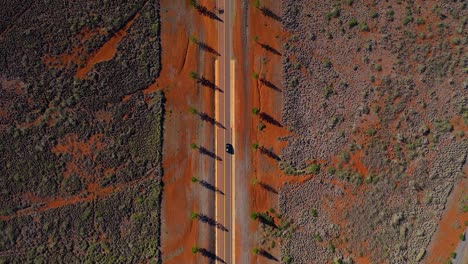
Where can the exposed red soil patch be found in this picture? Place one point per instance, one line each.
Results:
(179, 58)
(71, 144)
(76, 55)
(94, 191)
(107, 51)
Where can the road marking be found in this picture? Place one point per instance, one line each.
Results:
(216, 148)
(233, 163)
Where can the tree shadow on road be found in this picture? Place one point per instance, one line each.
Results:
(210, 186)
(212, 222)
(211, 120)
(206, 12)
(210, 255)
(207, 48)
(205, 82)
(208, 153)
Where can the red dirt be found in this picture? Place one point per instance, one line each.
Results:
(74, 56)
(180, 163)
(93, 192)
(107, 51)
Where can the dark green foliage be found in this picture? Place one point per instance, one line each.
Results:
(68, 213)
(352, 23)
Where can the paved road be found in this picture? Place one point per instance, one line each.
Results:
(223, 171)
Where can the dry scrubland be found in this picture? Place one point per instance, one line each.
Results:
(375, 95)
(80, 156)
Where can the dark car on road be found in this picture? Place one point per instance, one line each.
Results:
(229, 149)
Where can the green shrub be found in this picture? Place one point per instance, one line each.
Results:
(255, 250)
(313, 168)
(331, 247)
(318, 238)
(193, 179)
(344, 156)
(407, 19)
(255, 111)
(313, 212)
(193, 146)
(364, 26)
(419, 21)
(193, 215)
(255, 146)
(195, 249)
(254, 215)
(352, 23)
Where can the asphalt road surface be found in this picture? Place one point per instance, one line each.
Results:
(223, 171)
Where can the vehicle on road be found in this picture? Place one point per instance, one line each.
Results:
(229, 149)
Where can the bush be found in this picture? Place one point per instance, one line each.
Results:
(407, 19)
(255, 146)
(193, 179)
(193, 75)
(255, 111)
(254, 215)
(318, 238)
(195, 249)
(364, 26)
(193, 146)
(313, 168)
(352, 23)
(314, 212)
(255, 250)
(193, 215)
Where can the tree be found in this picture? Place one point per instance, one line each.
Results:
(254, 215)
(193, 3)
(195, 249)
(193, 110)
(193, 215)
(255, 111)
(193, 146)
(256, 39)
(255, 146)
(193, 75)
(257, 3)
(254, 181)
(194, 179)
(255, 250)
(255, 75)
(193, 39)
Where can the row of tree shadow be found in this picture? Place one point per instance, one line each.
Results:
(207, 185)
(203, 10)
(206, 253)
(205, 82)
(265, 254)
